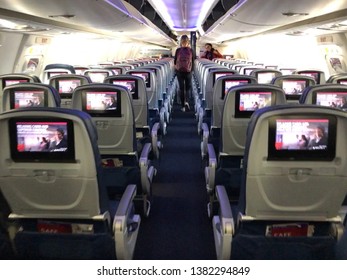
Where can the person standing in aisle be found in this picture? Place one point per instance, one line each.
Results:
(183, 64)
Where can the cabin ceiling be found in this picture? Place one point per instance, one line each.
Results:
(216, 21)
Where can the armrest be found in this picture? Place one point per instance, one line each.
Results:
(162, 120)
(167, 110)
(200, 115)
(144, 162)
(126, 225)
(223, 225)
(210, 172)
(205, 137)
(224, 203)
(147, 148)
(156, 145)
(126, 200)
(212, 159)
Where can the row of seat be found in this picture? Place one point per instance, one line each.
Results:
(99, 207)
(289, 197)
(257, 192)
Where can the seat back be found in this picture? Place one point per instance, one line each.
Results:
(97, 75)
(65, 85)
(240, 103)
(340, 78)
(151, 85)
(293, 85)
(290, 194)
(330, 95)
(116, 70)
(57, 193)
(209, 79)
(287, 180)
(79, 69)
(219, 99)
(42, 191)
(137, 88)
(15, 78)
(115, 122)
(29, 95)
(317, 75)
(55, 69)
(265, 76)
(228, 81)
(160, 77)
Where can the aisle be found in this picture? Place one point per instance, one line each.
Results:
(178, 227)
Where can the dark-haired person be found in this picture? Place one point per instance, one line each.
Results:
(44, 144)
(211, 53)
(320, 141)
(38, 101)
(59, 143)
(303, 142)
(112, 104)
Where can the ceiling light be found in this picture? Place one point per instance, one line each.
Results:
(61, 16)
(296, 33)
(291, 14)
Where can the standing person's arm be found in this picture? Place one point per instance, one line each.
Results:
(175, 58)
(217, 54)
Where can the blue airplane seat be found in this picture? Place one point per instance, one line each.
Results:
(14, 78)
(209, 74)
(209, 120)
(330, 95)
(339, 78)
(317, 75)
(156, 109)
(25, 95)
(265, 75)
(97, 75)
(146, 130)
(58, 197)
(290, 194)
(55, 69)
(225, 149)
(65, 85)
(125, 160)
(293, 85)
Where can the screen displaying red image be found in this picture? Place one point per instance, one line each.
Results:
(302, 134)
(101, 101)
(28, 99)
(45, 139)
(97, 77)
(302, 138)
(52, 74)
(332, 99)
(251, 101)
(15, 81)
(130, 85)
(293, 87)
(41, 136)
(68, 85)
(231, 83)
(265, 78)
(144, 76)
(218, 75)
(313, 75)
(116, 71)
